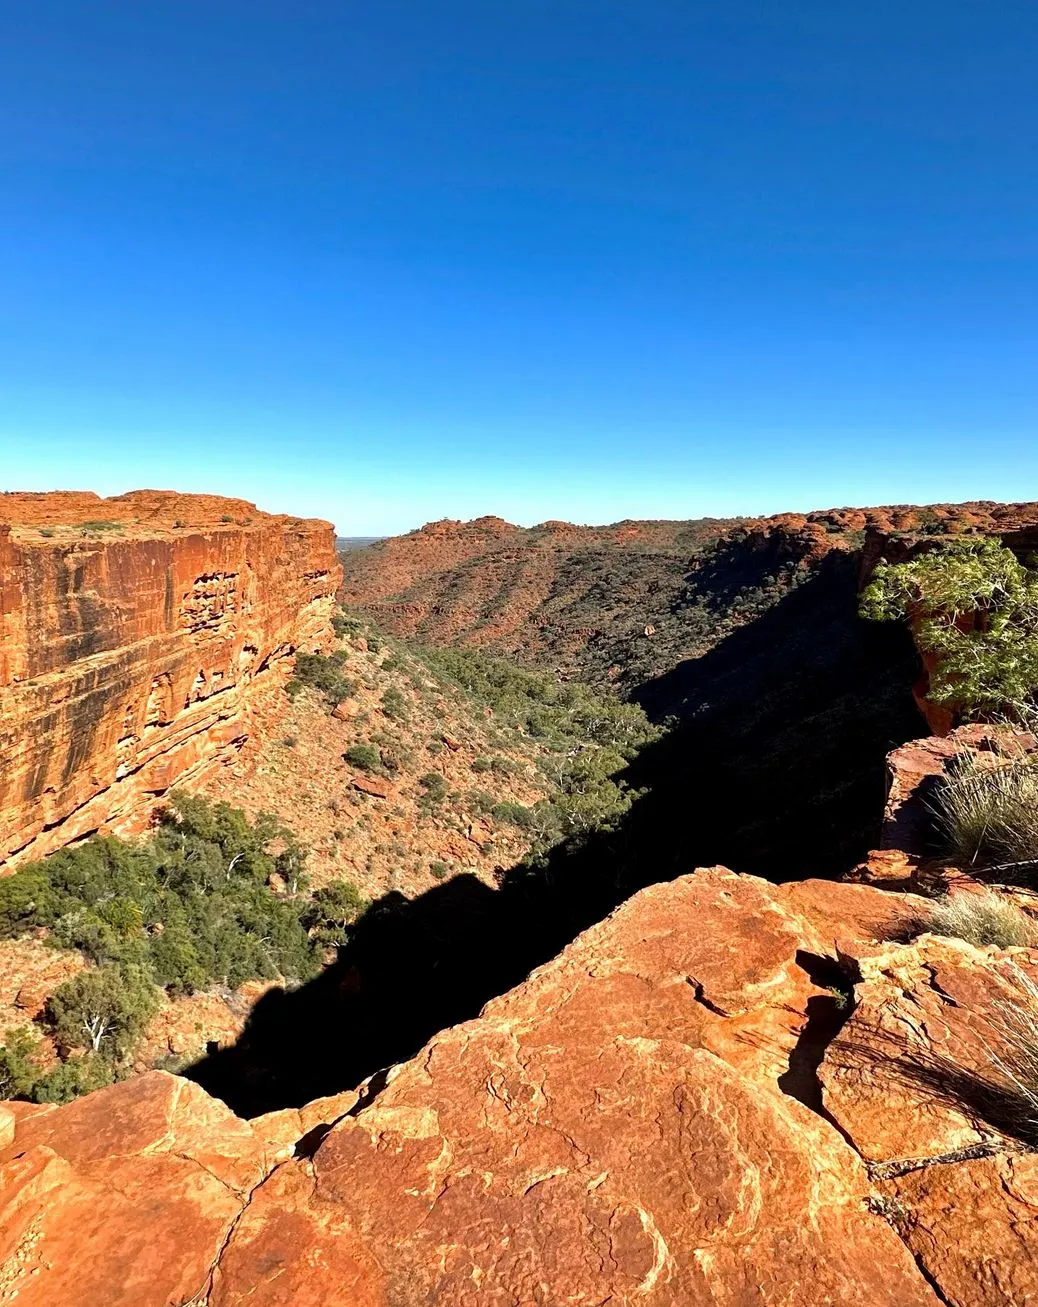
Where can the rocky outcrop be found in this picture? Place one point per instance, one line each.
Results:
(686, 1107)
(917, 769)
(137, 637)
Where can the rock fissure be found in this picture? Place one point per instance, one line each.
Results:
(898, 1166)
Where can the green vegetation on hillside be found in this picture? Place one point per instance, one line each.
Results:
(321, 672)
(191, 907)
(587, 738)
(974, 606)
(582, 738)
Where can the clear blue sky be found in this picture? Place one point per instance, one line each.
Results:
(394, 260)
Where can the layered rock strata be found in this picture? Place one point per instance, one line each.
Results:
(722, 1094)
(137, 637)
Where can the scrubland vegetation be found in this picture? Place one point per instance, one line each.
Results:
(209, 899)
(586, 739)
(583, 738)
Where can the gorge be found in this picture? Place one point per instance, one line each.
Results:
(613, 1072)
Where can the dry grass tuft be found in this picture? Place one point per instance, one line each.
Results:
(1014, 1054)
(999, 1089)
(981, 918)
(988, 814)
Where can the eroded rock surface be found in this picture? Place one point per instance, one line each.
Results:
(686, 1107)
(137, 636)
(640, 1122)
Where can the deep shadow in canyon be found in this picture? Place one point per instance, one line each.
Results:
(776, 767)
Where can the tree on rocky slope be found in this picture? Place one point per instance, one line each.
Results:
(974, 608)
(109, 1007)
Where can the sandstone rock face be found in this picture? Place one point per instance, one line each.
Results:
(137, 637)
(639, 1122)
(682, 1109)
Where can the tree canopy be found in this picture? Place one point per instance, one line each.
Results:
(974, 606)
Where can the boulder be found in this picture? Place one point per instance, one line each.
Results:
(378, 789)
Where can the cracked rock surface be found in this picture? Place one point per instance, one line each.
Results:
(682, 1108)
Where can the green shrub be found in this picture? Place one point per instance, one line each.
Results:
(434, 785)
(514, 814)
(18, 1071)
(323, 673)
(366, 757)
(105, 1009)
(438, 870)
(331, 911)
(394, 705)
(974, 607)
(343, 624)
(75, 1076)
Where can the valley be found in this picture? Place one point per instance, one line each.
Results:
(547, 844)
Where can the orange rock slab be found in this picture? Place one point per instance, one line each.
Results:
(124, 1197)
(611, 1131)
(676, 1111)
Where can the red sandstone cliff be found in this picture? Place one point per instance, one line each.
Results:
(137, 637)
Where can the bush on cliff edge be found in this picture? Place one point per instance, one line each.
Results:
(974, 606)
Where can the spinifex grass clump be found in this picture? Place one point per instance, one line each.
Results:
(987, 814)
(983, 918)
(1014, 1051)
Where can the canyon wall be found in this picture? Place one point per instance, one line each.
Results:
(138, 637)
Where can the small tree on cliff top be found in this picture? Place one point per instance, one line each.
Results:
(974, 606)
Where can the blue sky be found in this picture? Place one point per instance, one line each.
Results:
(386, 262)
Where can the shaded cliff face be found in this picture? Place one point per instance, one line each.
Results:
(137, 637)
(723, 1094)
